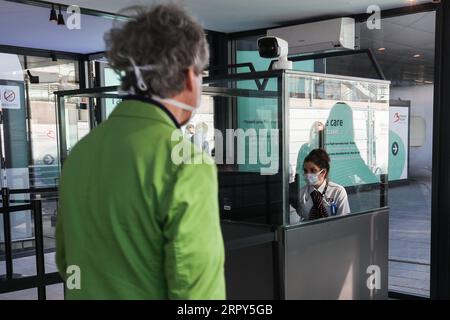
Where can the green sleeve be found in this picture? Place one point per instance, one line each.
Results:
(194, 250)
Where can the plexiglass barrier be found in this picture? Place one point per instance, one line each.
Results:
(349, 119)
(248, 138)
(259, 128)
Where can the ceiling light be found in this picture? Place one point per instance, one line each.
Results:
(53, 17)
(417, 56)
(381, 49)
(429, 82)
(60, 18)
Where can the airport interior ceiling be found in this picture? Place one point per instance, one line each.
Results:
(404, 45)
(223, 16)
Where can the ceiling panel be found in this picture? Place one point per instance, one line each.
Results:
(406, 20)
(408, 37)
(427, 24)
(403, 37)
(239, 15)
(386, 31)
(28, 26)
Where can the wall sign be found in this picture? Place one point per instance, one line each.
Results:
(398, 143)
(10, 97)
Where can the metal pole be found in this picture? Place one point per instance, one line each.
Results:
(440, 205)
(39, 243)
(7, 232)
(384, 185)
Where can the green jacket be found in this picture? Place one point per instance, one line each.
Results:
(136, 224)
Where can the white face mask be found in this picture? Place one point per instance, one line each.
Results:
(313, 178)
(143, 87)
(185, 106)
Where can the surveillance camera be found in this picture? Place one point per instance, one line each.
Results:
(273, 47)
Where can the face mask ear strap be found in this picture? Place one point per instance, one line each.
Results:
(320, 172)
(137, 72)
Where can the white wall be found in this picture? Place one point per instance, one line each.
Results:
(421, 98)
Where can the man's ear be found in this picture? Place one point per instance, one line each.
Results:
(190, 79)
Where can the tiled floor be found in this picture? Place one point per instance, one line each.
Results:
(409, 238)
(27, 267)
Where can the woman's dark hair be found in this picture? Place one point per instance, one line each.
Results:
(320, 158)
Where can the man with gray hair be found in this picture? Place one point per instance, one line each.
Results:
(135, 224)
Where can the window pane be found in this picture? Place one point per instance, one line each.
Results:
(54, 76)
(404, 48)
(246, 148)
(349, 120)
(55, 292)
(24, 262)
(49, 213)
(29, 145)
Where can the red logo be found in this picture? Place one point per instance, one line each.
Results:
(51, 134)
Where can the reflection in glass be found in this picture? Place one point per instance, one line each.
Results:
(246, 149)
(54, 76)
(349, 119)
(200, 129)
(240, 124)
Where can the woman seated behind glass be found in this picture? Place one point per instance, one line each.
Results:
(320, 198)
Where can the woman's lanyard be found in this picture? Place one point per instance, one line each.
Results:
(332, 204)
(325, 190)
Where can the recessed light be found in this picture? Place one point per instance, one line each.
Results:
(60, 18)
(53, 17)
(416, 56)
(381, 49)
(429, 82)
